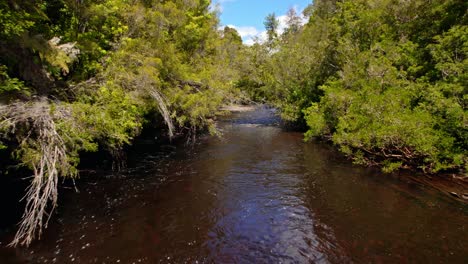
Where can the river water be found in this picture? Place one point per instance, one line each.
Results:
(258, 194)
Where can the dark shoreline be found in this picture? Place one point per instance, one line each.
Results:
(12, 189)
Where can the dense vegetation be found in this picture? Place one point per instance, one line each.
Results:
(82, 76)
(385, 80)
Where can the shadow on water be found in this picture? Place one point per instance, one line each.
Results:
(259, 194)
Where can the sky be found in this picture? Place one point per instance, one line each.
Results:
(247, 16)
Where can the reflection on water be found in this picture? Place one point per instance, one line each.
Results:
(257, 195)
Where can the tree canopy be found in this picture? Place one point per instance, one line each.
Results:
(79, 76)
(384, 80)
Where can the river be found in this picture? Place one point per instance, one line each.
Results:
(258, 194)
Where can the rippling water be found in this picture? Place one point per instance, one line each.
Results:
(259, 194)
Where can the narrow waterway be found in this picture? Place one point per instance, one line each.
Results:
(259, 194)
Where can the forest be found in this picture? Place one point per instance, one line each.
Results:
(385, 81)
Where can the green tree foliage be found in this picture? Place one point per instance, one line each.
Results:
(8, 84)
(271, 24)
(385, 80)
(232, 36)
(114, 62)
(89, 75)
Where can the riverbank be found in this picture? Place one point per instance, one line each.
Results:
(452, 185)
(258, 194)
(238, 108)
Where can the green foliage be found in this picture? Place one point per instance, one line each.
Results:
(231, 35)
(315, 121)
(8, 84)
(111, 117)
(271, 25)
(385, 84)
(16, 17)
(391, 166)
(384, 80)
(379, 110)
(114, 63)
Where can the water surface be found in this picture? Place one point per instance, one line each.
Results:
(259, 194)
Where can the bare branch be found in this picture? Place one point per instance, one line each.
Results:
(50, 161)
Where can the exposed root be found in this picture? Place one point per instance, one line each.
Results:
(119, 159)
(44, 150)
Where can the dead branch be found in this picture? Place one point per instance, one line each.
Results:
(50, 160)
(197, 86)
(162, 106)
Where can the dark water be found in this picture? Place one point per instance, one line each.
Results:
(257, 195)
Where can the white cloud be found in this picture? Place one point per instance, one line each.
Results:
(263, 36)
(245, 32)
(249, 42)
(284, 18)
(282, 24)
(250, 35)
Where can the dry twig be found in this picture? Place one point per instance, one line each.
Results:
(162, 106)
(43, 149)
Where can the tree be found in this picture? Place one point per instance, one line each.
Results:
(231, 35)
(271, 25)
(385, 83)
(293, 22)
(109, 67)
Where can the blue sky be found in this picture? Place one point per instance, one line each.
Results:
(247, 16)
